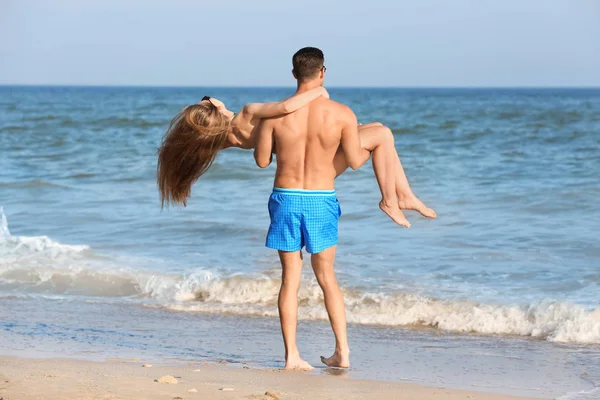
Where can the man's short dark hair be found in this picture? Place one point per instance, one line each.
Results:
(308, 62)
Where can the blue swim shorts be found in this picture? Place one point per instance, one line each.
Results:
(303, 218)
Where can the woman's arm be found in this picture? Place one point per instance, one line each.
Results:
(350, 140)
(275, 109)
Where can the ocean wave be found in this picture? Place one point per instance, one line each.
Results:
(127, 122)
(510, 114)
(42, 117)
(40, 265)
(449, 124)
(206, 292)
(593, 394)
(13, 128)
(32, 184)
(15, 248)
(552, 321)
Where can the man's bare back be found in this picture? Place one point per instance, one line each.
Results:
(306, 142)
(303, 207)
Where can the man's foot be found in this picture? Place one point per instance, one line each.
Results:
(337, 360)
(297, 364)
(395, 214)
(414, 204)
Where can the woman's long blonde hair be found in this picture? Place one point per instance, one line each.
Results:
(188, 149)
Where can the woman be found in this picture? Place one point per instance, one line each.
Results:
(201, 130)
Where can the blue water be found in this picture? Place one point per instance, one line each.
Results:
(512, 174)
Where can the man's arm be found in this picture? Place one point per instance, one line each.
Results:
(263, 151)
(350, 140)
(275, 109)
(370, 125)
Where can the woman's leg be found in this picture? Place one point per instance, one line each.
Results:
(373, 135)
(384, 165)
(406, 198)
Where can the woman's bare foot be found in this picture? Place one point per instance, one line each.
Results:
(297, 364)
(414, 204)
(395, 214)
(337, 360)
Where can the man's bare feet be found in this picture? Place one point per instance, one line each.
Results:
(297, 364)
(413, 203)
(395, 214)
(338, 360)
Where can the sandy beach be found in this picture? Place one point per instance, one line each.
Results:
(489, 297)
(53, 379)
(137, 171)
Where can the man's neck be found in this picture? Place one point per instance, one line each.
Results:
(306, 86)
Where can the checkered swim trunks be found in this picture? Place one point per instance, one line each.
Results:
(303, 218)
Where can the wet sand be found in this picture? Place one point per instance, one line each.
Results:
(54, 379)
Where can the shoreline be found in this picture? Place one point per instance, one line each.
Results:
(509, 366)
(59, 378)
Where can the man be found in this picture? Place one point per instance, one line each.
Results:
(303, 207)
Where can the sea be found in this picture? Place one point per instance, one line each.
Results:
(500, 293)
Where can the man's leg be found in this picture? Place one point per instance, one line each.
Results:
(322, 264)
(291, 263)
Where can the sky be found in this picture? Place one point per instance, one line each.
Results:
(407, 43)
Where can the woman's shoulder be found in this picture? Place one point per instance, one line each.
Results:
(250, 109)
(241, 135)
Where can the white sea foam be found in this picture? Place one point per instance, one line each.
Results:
(3, 224)
(13, 248)
(553, 321)
(41, 265)
(593, 394)
(203, 291)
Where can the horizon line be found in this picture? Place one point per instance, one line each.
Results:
(289, 86)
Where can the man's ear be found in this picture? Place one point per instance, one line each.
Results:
(294, 73)
(322, 74)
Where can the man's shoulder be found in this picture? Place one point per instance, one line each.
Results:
(342, 112)
(339, 108)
